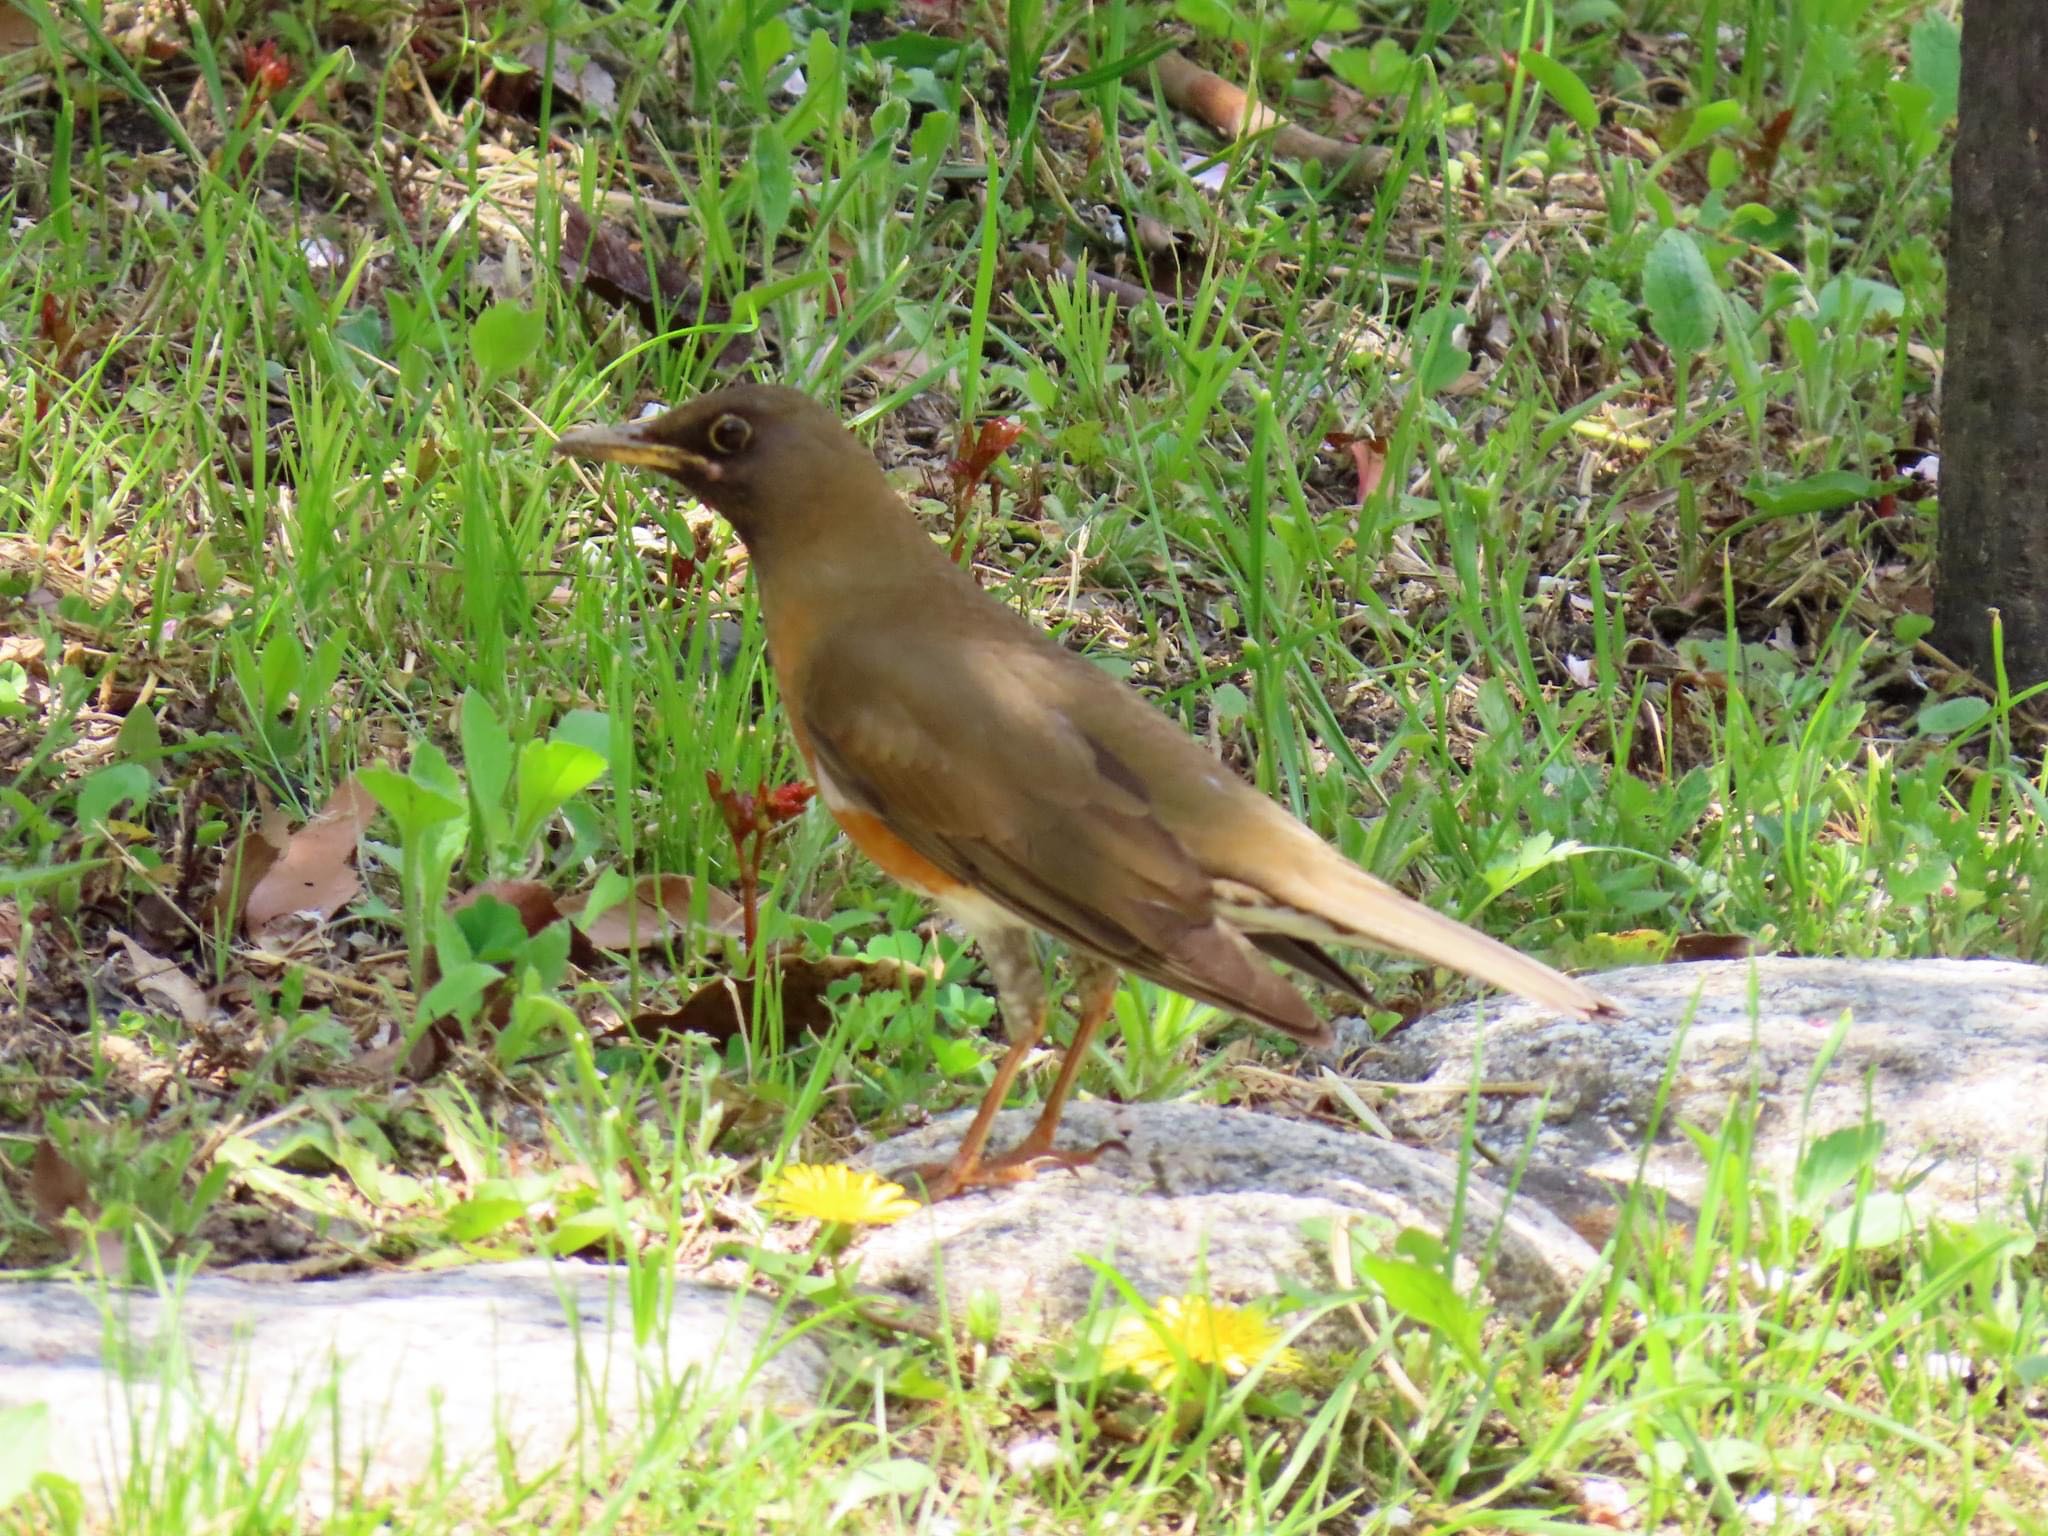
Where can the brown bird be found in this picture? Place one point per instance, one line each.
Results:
(1016, 784)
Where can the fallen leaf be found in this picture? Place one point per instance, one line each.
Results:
(1368, 455)
(255, 851)
(580, 75)
(905, 365)
(1689, 947)
(162, 979)
(16, 30)
(657, 911)
(316, 876)
(604, 259)
(56, 1188)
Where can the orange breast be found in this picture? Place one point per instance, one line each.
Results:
(896, 858)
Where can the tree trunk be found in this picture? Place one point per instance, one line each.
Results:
(1993, 539)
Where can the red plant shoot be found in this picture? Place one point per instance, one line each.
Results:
(265, 68)
(750, 818)
(979, 449)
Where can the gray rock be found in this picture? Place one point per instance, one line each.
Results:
(1953, 1055)
(393, 1376)
(1205, 1199)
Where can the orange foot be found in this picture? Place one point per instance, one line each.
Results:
(1026, 1160)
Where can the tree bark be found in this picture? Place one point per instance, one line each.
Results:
(1993, 537)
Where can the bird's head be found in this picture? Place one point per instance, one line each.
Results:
(753, 453)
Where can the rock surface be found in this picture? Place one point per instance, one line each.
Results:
(437, 1370)
(1953, 1055)
(1205, 1199)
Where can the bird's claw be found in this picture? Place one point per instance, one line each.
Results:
(942, 1181)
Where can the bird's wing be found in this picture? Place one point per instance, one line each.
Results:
(970, 758)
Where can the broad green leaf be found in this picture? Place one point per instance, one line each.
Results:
(1881, 1221)
(24, 1447)
(1210, 16)
(1381, 70)
(914, 50)
(1322, 18)
(1813, 493)
(1938, 61)
(140, 739)
(774, 182)
(1565, 88)
(583, 1230)
(932, 137)
(549, 773)
(898, 1477)
(1424, 1293)
(1706, 121)
(504, 337)
(487, 759)
(1950, 717)
(1855, 299)
(772, 42)
(474, 1220)
(1679, 292)
(493, 929)
(458, 991)
(413, 806)
(1833, 1161)
(1440, 362)
(1731, 1456)
(110, 787)
(590, 728)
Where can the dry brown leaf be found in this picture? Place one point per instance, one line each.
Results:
(1368, 456)
(906, 365)
(132, 1068)
(656, 912)
(578, 74)
(16, 30)
(1688, 948)
(25, 650)
(315, 877)
(162, 980)
(55, 1188)
(608, 261)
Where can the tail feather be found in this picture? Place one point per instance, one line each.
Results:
(1311, 960)
(1342, 904)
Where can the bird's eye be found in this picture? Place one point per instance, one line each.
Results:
(729, 434)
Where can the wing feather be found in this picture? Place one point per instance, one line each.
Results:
(1071, 845)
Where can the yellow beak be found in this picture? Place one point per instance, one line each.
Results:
(634, 445)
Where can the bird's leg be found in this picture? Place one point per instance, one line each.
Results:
(969, 1167)
(1012, 960)
(1095, 986)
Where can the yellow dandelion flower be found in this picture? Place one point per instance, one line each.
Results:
(1209, 1335)
(836, 1193)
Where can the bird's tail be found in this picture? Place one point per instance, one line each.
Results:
(1339, 903)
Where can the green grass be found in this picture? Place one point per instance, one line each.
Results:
(1620, 647)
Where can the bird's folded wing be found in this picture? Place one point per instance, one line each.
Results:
(971, 761)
